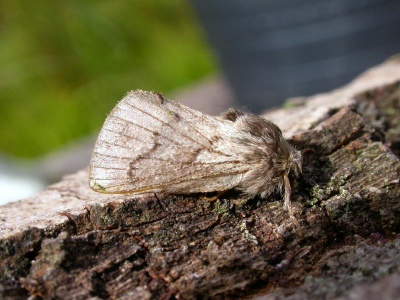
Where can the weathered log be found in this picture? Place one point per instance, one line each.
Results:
(70, 242)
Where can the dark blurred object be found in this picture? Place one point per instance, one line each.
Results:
(272, 50)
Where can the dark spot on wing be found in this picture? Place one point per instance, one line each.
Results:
(232, 114)
(161, 97)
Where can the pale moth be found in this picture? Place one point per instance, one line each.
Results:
(151, 144)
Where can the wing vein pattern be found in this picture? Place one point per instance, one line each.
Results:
(148, 144)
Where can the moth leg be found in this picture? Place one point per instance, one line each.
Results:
(159, 202)
(211, 199)
(71, 219)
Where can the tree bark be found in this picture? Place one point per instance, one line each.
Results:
(343, 241)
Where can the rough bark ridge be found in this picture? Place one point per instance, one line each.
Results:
(69, 242)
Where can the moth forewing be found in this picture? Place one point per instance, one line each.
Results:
(150, 144)
(142, 147)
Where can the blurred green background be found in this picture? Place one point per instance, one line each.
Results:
(65, 64)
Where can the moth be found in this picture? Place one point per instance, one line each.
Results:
(151, 144)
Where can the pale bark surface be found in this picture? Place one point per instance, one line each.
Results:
(69, 242)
